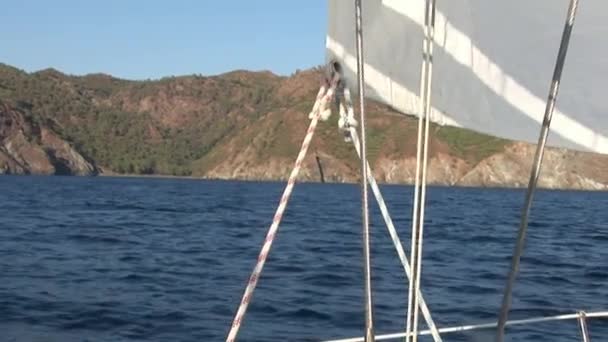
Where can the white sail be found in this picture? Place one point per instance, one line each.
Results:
(493, 63)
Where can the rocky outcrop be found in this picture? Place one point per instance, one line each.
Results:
(65, 159)
(28, 148)
(442, 170)
(561, 169)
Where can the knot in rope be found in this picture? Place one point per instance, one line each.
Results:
(330, 84)
(347, 115)
(332, 80)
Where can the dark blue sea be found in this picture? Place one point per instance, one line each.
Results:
(134, 259)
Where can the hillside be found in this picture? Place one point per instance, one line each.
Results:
(240, 125)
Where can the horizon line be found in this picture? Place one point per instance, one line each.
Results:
(148, 79)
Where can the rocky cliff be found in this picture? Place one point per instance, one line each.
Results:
(26, 146)
(241, 125)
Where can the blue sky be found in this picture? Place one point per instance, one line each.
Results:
(139, 39)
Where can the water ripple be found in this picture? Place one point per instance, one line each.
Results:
(111, 259)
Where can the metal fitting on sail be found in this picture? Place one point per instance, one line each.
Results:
(333, 69)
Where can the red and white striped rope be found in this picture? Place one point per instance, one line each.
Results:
(323, 99)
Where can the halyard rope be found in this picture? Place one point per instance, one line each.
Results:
(421, 172)
(326, 93)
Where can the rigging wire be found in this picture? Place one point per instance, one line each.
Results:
(535, 173)
(483, 326)
(369, 316)
(346, 112)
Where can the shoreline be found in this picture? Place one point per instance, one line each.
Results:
(160, 176)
